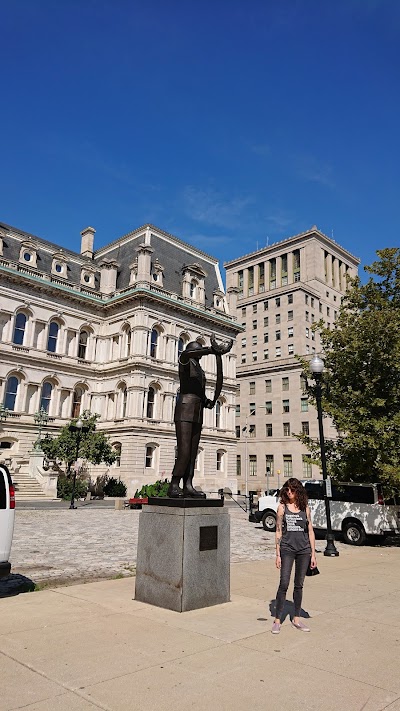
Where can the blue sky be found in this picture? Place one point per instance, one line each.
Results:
(225, 123)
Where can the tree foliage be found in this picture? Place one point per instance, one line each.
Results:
(93, 446)
(362, 378)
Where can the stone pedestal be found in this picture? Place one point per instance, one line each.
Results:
(183, 555)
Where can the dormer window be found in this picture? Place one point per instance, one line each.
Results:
(87, 278)
(193, 283)
(59, 266)
(27, 254)
(157, 272)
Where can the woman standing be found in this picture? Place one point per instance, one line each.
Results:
(295, 543)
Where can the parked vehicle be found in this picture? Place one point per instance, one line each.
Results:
(7, 512)
(357, 510)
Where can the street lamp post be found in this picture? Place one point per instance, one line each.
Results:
(79, 429)
(317, 368)
(41, 418)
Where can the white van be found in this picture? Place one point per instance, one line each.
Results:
(7, 512)
(357, 510)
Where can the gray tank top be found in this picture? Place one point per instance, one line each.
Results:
(295, 532)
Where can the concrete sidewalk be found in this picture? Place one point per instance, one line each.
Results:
(86, 647)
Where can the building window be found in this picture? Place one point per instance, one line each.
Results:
(192, 289)
(117, 450)
(285, 406)
(252, 431)
(266, 338)
(287, 466)
(290, 349)
(250, 280)
(154, 343)
(268, 386)
(306, 298)
(82, 346)
(286, 429)
(277, 335)
(304, 404)
(220, 461)
(269, 465)
(278, 352)
(265, 320)
(11, 393)
(277, 318)
(19, 329)
(278, 301)
(296, 265)
(290, 315)
(305, 428)
(303, 383)
(285, 383)
(253, 465)
(266, 354)
(254, 340)
(76, 402)
(149, 457)
(284, 269)
(254, 308)
(307, 468)
(237, 410)
(261, 277)
(272, 273)
(238, 465)
(124, 397)
(268, 429)
(254, 324)
(218, 414)
(237, 430)
(252, 408)
(307, 332)
(243, 358)
(320, 308)
(45, 396)
(244, 342)
(254, 356)
(151, 395)
(268, 407)
(52, 337)
(328, 311)
(265, 305)
(312, 302)
(290, 299)
(307, 348)
(290, 332)
(252, 387)
(243, 311)
(240, 282)
(307, 316)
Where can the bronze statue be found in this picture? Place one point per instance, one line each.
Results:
(190, 403)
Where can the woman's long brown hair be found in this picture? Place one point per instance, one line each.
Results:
(301, 499)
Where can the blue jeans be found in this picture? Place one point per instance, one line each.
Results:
(301, 561)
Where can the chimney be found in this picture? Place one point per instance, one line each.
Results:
(87, 242)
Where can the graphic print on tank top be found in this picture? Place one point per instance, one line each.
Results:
(295, 531)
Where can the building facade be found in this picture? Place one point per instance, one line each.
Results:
(277, 294)
(102, 330)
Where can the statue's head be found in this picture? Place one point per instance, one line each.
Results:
(192, 347)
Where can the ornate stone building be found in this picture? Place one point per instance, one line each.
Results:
(277, 294)
(102, 330)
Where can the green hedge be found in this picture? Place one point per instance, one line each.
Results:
(64, 487)
(115, 487)
(160, 488)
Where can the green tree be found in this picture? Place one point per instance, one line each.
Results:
(361, 390)
(94, 446)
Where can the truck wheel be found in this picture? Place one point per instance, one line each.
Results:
(353, 533)
(269, 521)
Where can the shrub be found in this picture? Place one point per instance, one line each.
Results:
(97, 487)
(115, 487)
(64, 487)
(160, 488)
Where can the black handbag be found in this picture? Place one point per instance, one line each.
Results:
(311, 571)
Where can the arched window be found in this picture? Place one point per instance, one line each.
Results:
(124, 400)
(218, 414)
(19, 329)
(128, 341)
(117, 450)
(45, 396)
(82, 346)
(181, 346)
(150, 456)
(11, 392)
(154, 343)
(151, 396)
(52, 337)
(76, 402)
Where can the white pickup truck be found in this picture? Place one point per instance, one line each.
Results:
(357, 510)
(7, 512)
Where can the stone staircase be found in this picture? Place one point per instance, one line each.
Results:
(26, 488)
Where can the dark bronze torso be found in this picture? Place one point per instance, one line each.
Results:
(190, 400)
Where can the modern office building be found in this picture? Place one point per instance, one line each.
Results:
(277, 293)
(102, 330)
